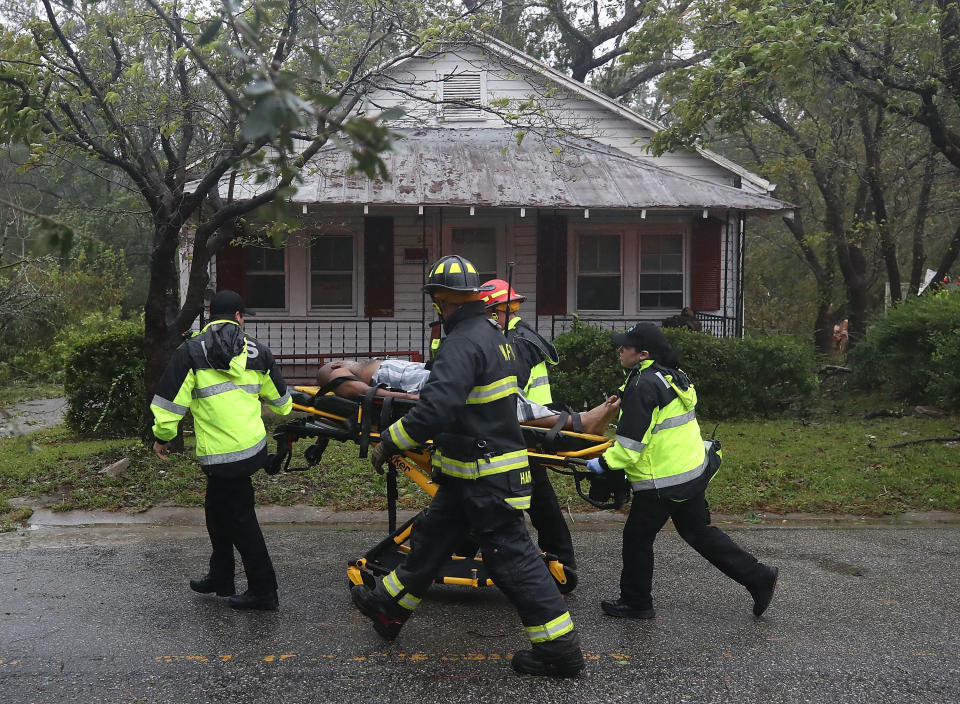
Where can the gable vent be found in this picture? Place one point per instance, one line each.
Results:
(464, 87)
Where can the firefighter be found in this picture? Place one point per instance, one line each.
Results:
(220, 376)
(467, 407)
(659, 447)
(534, 353)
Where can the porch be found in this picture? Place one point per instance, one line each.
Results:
(302, 345)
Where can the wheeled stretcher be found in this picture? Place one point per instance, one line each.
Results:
(331, 417)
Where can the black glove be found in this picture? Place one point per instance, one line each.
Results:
(380, 453)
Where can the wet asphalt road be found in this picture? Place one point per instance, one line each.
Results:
(103, 614)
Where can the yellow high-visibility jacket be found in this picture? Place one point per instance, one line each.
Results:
(220, 376)
(658, 442)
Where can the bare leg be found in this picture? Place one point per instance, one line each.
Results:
(594, 421)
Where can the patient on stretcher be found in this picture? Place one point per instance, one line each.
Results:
(404, 379)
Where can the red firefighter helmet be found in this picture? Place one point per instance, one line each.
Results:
(498, 296)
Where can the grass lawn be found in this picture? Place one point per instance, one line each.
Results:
(12, 392)
(833, 461)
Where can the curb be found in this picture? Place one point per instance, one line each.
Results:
(323, 516)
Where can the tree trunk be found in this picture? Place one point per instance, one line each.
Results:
(160, 337)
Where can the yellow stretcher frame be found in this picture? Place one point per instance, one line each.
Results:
(415, 466)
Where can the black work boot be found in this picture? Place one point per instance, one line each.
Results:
(763, 592)
(536, 662)
(208, 584)
(266, 601)
(622, 609)
(387, 622)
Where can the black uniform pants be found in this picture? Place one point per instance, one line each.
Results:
(648, 514)
(232, 521)
(477, 507)
(553, 534)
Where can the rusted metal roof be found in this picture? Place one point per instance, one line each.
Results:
(487, 168)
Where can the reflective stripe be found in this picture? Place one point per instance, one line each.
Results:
(400, 437)
(480, 468)
(224, 387)
(409, 601)
(559, 626)
(493, 392)
(672, 480)
(675, 422)
(392, 584)
(226, 457)
(166, 405)
(521, 503)
(280, 401)
(539, 381)
(662, 378)
(630, 443)
(394, 587)
(503, 463)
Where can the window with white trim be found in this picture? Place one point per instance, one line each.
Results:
(332, 272)
(598, 274)
(265, 277)
(660, 279)
(468, 89)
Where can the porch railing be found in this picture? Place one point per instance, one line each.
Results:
(302, 345)
(716, 325)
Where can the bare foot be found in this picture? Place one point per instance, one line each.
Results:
(596, 420)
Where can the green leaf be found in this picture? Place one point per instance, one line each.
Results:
(210, 32)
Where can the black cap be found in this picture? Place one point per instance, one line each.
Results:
(649, 337)
(225, 303)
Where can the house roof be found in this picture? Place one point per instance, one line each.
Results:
(504, 50)
(486, 167)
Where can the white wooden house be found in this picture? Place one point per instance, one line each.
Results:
(595, 225)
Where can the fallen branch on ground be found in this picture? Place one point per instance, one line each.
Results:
(956, 438)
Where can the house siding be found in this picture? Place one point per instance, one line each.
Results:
(517, 84)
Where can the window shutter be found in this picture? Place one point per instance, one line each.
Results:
(551, 264)
(464, 87)
(705, 268)
(378, 267)
(231, 274)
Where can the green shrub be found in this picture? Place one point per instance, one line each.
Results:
(588, 370)
(104, 381)
(913, 352)
(40, 302)
(735, 378)
(759, 376)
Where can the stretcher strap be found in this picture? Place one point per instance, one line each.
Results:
(366, 419)
(552, 434)
(577, 422)
(386, 413)
(334, 384)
